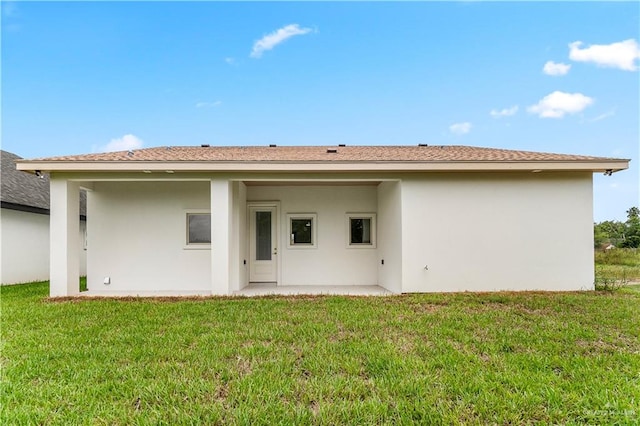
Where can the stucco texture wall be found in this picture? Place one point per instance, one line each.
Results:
(486, 232)
(137, 238)
(25, 247)
(436, 232)
(390, 236)
(331, 262)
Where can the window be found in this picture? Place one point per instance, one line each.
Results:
(198, 229)
(361, 230)
(302, 230)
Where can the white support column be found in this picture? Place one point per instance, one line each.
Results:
(234, 238)
(221, 204)
(64, 268)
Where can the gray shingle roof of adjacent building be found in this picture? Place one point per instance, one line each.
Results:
(20, 188)
(26, 191)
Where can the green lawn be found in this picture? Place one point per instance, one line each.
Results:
(430, 359)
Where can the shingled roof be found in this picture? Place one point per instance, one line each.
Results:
(322, 158)
(20, 188)
(26, 191)
(334, 153)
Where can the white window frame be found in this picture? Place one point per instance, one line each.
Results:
(372, 218)
(187, 244)
(314, 230)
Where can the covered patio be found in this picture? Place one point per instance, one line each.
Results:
(136, 239)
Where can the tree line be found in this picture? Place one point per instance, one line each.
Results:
(619, 234)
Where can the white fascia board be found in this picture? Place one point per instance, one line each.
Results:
(187, 166)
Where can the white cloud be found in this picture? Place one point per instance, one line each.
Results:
(124, 143)
(460, 128)
(208, 104)
(270, 41)
(604, 115)
(230, 60)
(558, 104)
(622, 54)
(505, 112)
(555, 68)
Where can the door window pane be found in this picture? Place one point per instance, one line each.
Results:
(263, 235)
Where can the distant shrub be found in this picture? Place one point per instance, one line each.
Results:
(610, 281)
(618, 256)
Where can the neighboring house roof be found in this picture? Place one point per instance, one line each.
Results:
(320, 158)
(24, 191)
(20, 188)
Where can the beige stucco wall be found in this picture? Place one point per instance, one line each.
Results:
(390, 236)
(332, 262)
(472, 232)
(25, 247)
(136, 236)
(240, 218)
(485, 232)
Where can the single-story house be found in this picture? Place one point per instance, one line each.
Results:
(24, 224)
(208, 220)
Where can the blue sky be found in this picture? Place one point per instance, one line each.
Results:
(83, 77)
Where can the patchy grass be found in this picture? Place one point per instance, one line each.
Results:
(616, 268)
(502, 358)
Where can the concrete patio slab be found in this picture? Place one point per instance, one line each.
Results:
(260, 289)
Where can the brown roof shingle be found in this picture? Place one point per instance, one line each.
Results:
(294, 154)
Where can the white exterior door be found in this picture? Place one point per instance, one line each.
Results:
(263, 244)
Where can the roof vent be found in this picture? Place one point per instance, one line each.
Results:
(423, 144)
(332, 151)
(273, 145)
(204, 145)
(130, 153)
(341, 144)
